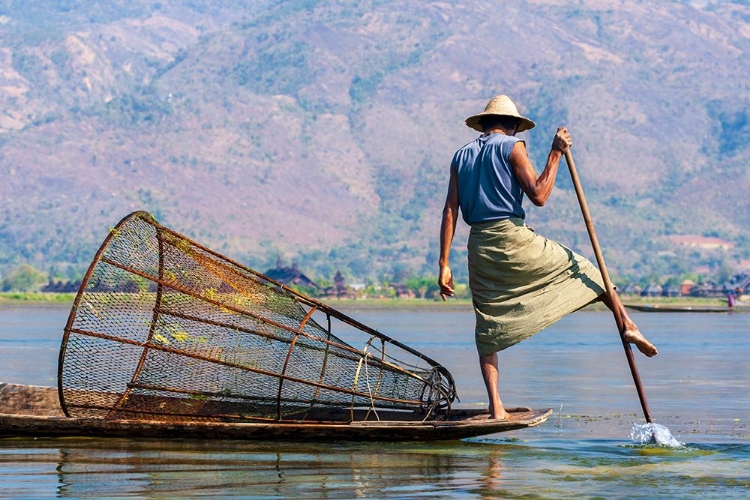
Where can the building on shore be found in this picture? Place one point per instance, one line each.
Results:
(291, 276)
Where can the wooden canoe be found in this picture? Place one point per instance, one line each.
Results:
(680, 308)
(35, 411)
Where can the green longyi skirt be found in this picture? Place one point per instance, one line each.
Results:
(522, 282)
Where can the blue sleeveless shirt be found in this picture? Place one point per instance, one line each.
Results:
(487, 187)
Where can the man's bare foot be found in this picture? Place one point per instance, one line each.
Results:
(634, 336)
(499, 415)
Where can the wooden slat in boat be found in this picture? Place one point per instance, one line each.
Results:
(35, 411)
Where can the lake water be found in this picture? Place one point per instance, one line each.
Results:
(697, 386)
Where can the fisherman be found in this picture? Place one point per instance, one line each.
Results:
(520, 281)
(730, 299)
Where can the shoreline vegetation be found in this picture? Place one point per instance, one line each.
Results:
(388, 303)
(10, 297)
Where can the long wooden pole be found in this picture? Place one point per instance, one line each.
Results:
(610, 290)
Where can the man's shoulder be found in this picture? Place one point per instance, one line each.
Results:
(491, 141)
(470, 146)
(466, 152)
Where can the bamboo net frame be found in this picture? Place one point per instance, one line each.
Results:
(164, 328)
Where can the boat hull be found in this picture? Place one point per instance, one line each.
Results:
(32, 413)
(675, 308)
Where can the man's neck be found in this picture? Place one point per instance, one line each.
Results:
(499, 130)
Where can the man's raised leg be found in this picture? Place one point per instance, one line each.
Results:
(631, 333)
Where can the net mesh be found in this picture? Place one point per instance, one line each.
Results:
(166, 329)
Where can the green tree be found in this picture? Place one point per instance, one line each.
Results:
(423, 287)
(24, 279)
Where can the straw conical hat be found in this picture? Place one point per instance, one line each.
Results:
(500, 106)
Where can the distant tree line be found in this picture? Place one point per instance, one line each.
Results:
(25, 278)
(28, 279)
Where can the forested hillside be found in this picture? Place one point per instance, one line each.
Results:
(322, 132)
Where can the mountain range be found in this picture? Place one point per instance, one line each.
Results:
(321, 132)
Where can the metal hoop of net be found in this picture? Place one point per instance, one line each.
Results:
(166, 329)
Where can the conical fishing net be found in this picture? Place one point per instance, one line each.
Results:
(166, 329)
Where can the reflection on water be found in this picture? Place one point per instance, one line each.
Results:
(697, 387)
(485, 468)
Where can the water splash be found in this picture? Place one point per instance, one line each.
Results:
(654, 434)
